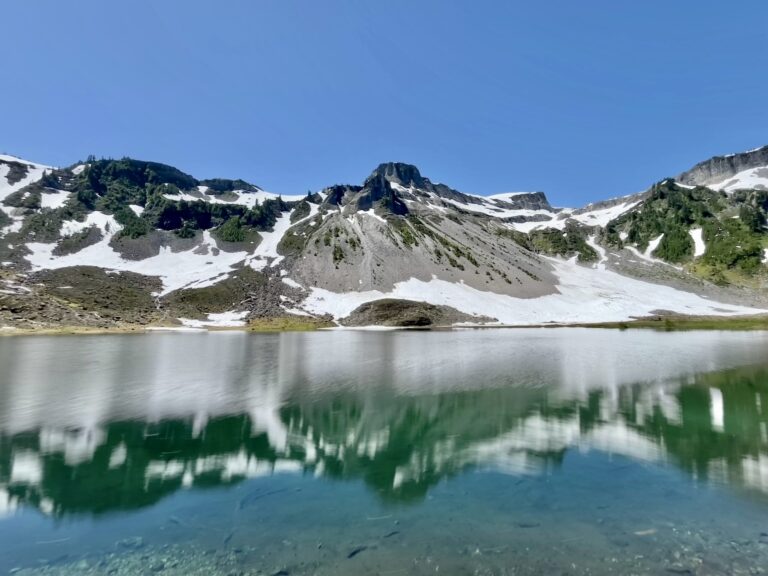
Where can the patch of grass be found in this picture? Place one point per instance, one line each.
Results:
(292, 244)
(288, 324)
(675, 323)
(75, 331)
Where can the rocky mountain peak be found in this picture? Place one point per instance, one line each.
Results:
(404, 174)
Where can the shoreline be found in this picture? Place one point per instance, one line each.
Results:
(276, 325)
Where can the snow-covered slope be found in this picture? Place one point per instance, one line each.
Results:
(584, 295)
(15, 174)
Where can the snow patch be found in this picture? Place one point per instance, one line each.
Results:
(491, 209)
(373, 214)
(698, 242)
(221, 320)
(504, 195)
(54, 198)
(586, 295)
(267, 248)
(652, 245)
(647, 255)
(528, 227)
(34, 173)
(750, 178)
(187, 269)
(295, 311)
(173, 329)
(104, 222)
(601, 216)
(603, 257)
(247, 198)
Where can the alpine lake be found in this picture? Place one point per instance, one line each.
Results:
(479, 452)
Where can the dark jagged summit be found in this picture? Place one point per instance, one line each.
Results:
(404, 174)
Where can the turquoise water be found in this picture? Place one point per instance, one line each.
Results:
(472, 452)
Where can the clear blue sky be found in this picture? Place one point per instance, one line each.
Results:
(582, 99)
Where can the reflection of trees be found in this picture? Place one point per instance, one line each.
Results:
(400, 446)
(156, 458)
(701, 447)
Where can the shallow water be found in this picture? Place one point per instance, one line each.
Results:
(472, 452)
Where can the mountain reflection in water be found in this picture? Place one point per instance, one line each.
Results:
(93, 425)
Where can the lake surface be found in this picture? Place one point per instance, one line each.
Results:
(484, 452)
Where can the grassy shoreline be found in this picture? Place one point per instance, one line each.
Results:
(282, 324)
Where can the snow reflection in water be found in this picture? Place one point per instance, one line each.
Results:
(95, 427)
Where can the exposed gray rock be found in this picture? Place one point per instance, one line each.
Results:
(720, 168)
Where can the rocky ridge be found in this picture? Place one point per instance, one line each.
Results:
(124, 242)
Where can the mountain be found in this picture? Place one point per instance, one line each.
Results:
(126, 243)
(731, 172)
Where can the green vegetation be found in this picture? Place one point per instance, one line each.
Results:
(28, 197)
(301, 211)
(16, 172)
(731, 244)
(292, 244)
(42, 226)
(392, 202)
(338, 254)
(133, 226)
(50, 179)
(676, 246)
(223, 185)
(733, 229)
(668, 210)
(571, 241)
(112, 185)
(234, 230)
(406, 233)
(77, 241)
(671, 323)
(413, 227)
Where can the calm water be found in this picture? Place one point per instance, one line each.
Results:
(475, 452)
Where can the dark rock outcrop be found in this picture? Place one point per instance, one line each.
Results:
(408, 314)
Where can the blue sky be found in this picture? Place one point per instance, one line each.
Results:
(583, 100)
